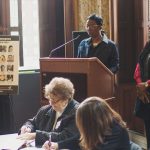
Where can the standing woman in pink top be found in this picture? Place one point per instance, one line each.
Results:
(142, 78)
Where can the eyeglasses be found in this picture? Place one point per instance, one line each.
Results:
(91, 26)
(53, 100)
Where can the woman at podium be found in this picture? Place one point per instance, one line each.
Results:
(98, 45)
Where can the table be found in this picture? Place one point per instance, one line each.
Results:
(10, 142)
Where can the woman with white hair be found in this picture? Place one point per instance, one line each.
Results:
(56, 120)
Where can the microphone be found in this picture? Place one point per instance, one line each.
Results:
(63, 45)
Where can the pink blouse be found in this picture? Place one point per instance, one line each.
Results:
(137, 75)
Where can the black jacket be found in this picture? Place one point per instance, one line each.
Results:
(43, 123)
(144, 63)
(142, 110)
(118, 140)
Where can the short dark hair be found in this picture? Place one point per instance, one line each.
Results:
(96, 18)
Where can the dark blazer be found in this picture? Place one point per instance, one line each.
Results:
(119, 140)
(43, 123)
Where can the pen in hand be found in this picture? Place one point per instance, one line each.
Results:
(49, 143)
(25, 144)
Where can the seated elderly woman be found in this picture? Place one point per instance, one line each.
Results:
(100, 127)
(56, 120)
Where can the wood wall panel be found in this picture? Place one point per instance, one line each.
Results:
(126, 40)
(60, 38)
(69, 25)
(132, 33)
(113, 13)
(47, 26)
(51, 25)
(126, 97)
(4, 17)
(141, 24)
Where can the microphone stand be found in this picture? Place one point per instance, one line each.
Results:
(63, 45)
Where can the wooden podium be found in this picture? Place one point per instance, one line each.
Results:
(89, 76)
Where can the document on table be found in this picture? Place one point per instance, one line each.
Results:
(10, 142)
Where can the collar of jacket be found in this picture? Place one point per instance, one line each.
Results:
(104, 39)
(72, 105)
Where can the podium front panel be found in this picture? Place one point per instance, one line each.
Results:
(89, 75)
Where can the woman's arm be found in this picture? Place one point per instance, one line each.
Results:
(141, 86)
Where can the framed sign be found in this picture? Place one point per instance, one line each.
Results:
(9, 64)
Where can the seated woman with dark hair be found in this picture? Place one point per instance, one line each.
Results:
(101, 128)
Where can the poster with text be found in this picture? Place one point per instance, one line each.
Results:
(9, 64)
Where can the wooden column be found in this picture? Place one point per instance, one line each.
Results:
(69, 25)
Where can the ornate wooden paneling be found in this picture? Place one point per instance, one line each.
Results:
(87, 7)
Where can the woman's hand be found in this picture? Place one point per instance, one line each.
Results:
(50, 146)
(25, 129)
(142, 92)
(46, 145)
(27, 136)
